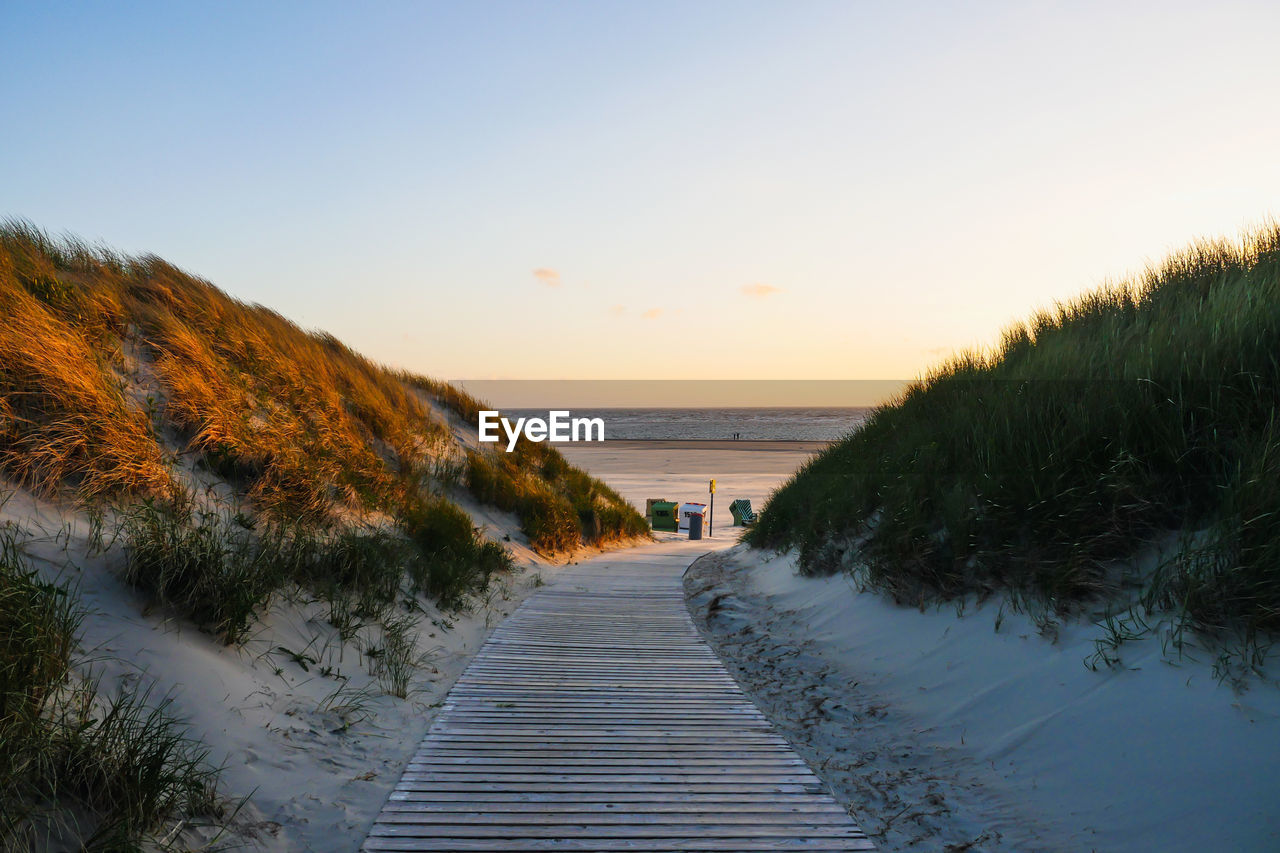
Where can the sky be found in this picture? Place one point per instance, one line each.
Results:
(645, 190)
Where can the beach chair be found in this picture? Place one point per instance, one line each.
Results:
(742, 513)
(662, 515)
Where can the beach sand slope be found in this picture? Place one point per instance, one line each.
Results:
(295, 716)
(978, 732)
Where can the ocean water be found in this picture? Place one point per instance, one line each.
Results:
(751, 424)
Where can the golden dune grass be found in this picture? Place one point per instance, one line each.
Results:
(110, 364)
(63, 420)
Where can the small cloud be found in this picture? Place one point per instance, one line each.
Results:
(549, 277)
(760, 290)
(652, 314)
(617, 310)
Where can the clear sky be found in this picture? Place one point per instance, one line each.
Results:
(644, 189)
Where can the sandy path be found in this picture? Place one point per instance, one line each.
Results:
(597, 718)
(901, 789)
(988, 730)
(906, 791)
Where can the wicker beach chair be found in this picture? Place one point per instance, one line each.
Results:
(742, 513)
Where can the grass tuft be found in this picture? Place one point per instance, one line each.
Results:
(453, 558)
(215, 573)
(559, 506)
(222, 575)
(75, 769)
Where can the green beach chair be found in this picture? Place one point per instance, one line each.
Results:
(663, 516)
(742, 513)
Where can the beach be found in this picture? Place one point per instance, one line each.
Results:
(334, 429)
(680, 470)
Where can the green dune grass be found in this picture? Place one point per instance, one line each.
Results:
(1141, 412)
(81, 767)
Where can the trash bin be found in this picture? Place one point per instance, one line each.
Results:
(663, 516)
(695, 525)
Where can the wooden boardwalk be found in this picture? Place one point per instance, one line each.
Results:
(596, 718)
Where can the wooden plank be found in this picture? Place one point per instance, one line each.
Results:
(676, 812)
(448, 822)
(518, 754)
(595, 718)
(643, 737)
(712, 786)
(711, 798)
(810, 830)
(491, 776)
(602, 845)
(482, 763)
(726, 733)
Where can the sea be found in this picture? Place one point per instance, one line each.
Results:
(719, 424)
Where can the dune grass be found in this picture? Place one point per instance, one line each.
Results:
(559, 506)
(205, 563)
(63, 417)
(112, 368)
(1146, 409)
(244, 459)
(216, 573)
(79, 768)
(451, 557)
(103, 355)
(125, 380)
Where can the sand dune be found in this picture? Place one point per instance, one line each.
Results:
(941, 729)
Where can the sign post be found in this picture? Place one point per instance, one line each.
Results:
(711, 514)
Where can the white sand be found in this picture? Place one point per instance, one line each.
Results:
(679, 470)
(941, 730)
